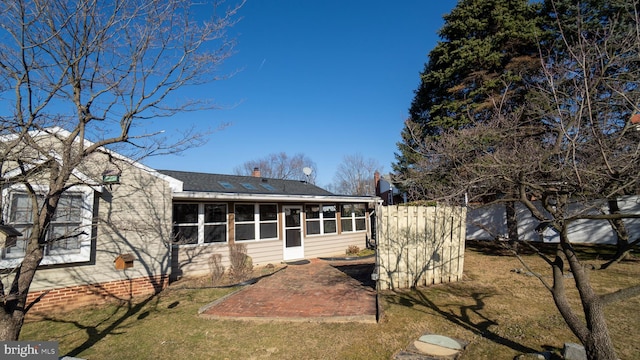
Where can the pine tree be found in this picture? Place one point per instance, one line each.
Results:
(486, 52)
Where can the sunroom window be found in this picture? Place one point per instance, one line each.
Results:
(245, 222)
(256, 221)
(199, 223)
(185, 223)
(320, 219)
(215, 223)
(353, 217)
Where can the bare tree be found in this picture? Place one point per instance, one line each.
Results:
(572, 154)
(102, 70)
(280, 166)
(355, 175)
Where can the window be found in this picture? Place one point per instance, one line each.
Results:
(245, 222)
(215, 223)
(249, 186)
(65, 226)
(20, 217)
(320, 219)
(225, 184)
(68, 239)
(185, 223)
(199, 223)
(268, 221)
(256, 221)
(353, 217)
(268, 187)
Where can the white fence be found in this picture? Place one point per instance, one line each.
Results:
(419, 246)
(488, 222)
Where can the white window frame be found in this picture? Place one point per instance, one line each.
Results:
(256, 222)
(200, 223)
(321, 219)
(201, 232)
(57, 256)
(353, 218)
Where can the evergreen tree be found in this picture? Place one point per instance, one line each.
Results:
(563, 136)
(486, 52)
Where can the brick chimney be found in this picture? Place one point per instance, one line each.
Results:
(635, 120)
(256, 172)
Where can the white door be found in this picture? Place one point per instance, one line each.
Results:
(293, 239)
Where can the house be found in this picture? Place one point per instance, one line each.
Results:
(277, 220)
(490, 221)
(387, 190)
(123, 229)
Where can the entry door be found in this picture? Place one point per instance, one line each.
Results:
(293, 241)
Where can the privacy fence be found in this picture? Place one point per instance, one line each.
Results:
(419, 245)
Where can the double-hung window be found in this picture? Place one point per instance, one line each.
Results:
(66, 226)
(268, 221)
(256, 221)
(68, 238)
(320, 219)
(353, 217)
(215, 223)
(21, 218)
(185, 223)
(199, 223)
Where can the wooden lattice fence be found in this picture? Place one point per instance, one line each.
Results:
(419, 245)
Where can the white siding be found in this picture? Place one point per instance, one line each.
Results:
(333, 245)
(485, 223)
(133, 217)
(193, 260)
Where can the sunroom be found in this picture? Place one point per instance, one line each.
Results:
(277, 220)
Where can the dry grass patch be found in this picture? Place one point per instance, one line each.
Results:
(499, 312)
(225, 279)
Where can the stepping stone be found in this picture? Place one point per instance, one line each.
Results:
(440, 340)
(434, 350)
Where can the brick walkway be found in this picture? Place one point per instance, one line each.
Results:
(332, 291)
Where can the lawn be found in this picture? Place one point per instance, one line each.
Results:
(499, 312)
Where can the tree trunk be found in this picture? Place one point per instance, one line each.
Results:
(14, 309)
(512, 220)
(10, 325)
(596, 339)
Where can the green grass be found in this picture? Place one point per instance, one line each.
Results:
(498, 312)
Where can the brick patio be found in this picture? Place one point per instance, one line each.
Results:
(331, 291)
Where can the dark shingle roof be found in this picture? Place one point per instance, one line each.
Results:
(203, 182)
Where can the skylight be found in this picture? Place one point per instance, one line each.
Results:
(225, 184)
(249, 186)
(268, 187)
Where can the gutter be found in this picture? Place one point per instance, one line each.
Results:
(202, 195)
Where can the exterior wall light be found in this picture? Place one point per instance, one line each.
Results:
(110, 178)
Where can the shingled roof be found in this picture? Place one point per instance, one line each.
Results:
(218, 183)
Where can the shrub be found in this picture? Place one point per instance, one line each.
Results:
(353, 250)
(216, 268)
(241, 263)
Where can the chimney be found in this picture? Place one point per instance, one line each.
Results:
(256, 172)
(635, 121)
(376, 181)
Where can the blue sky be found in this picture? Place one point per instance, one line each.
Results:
(325, 78)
